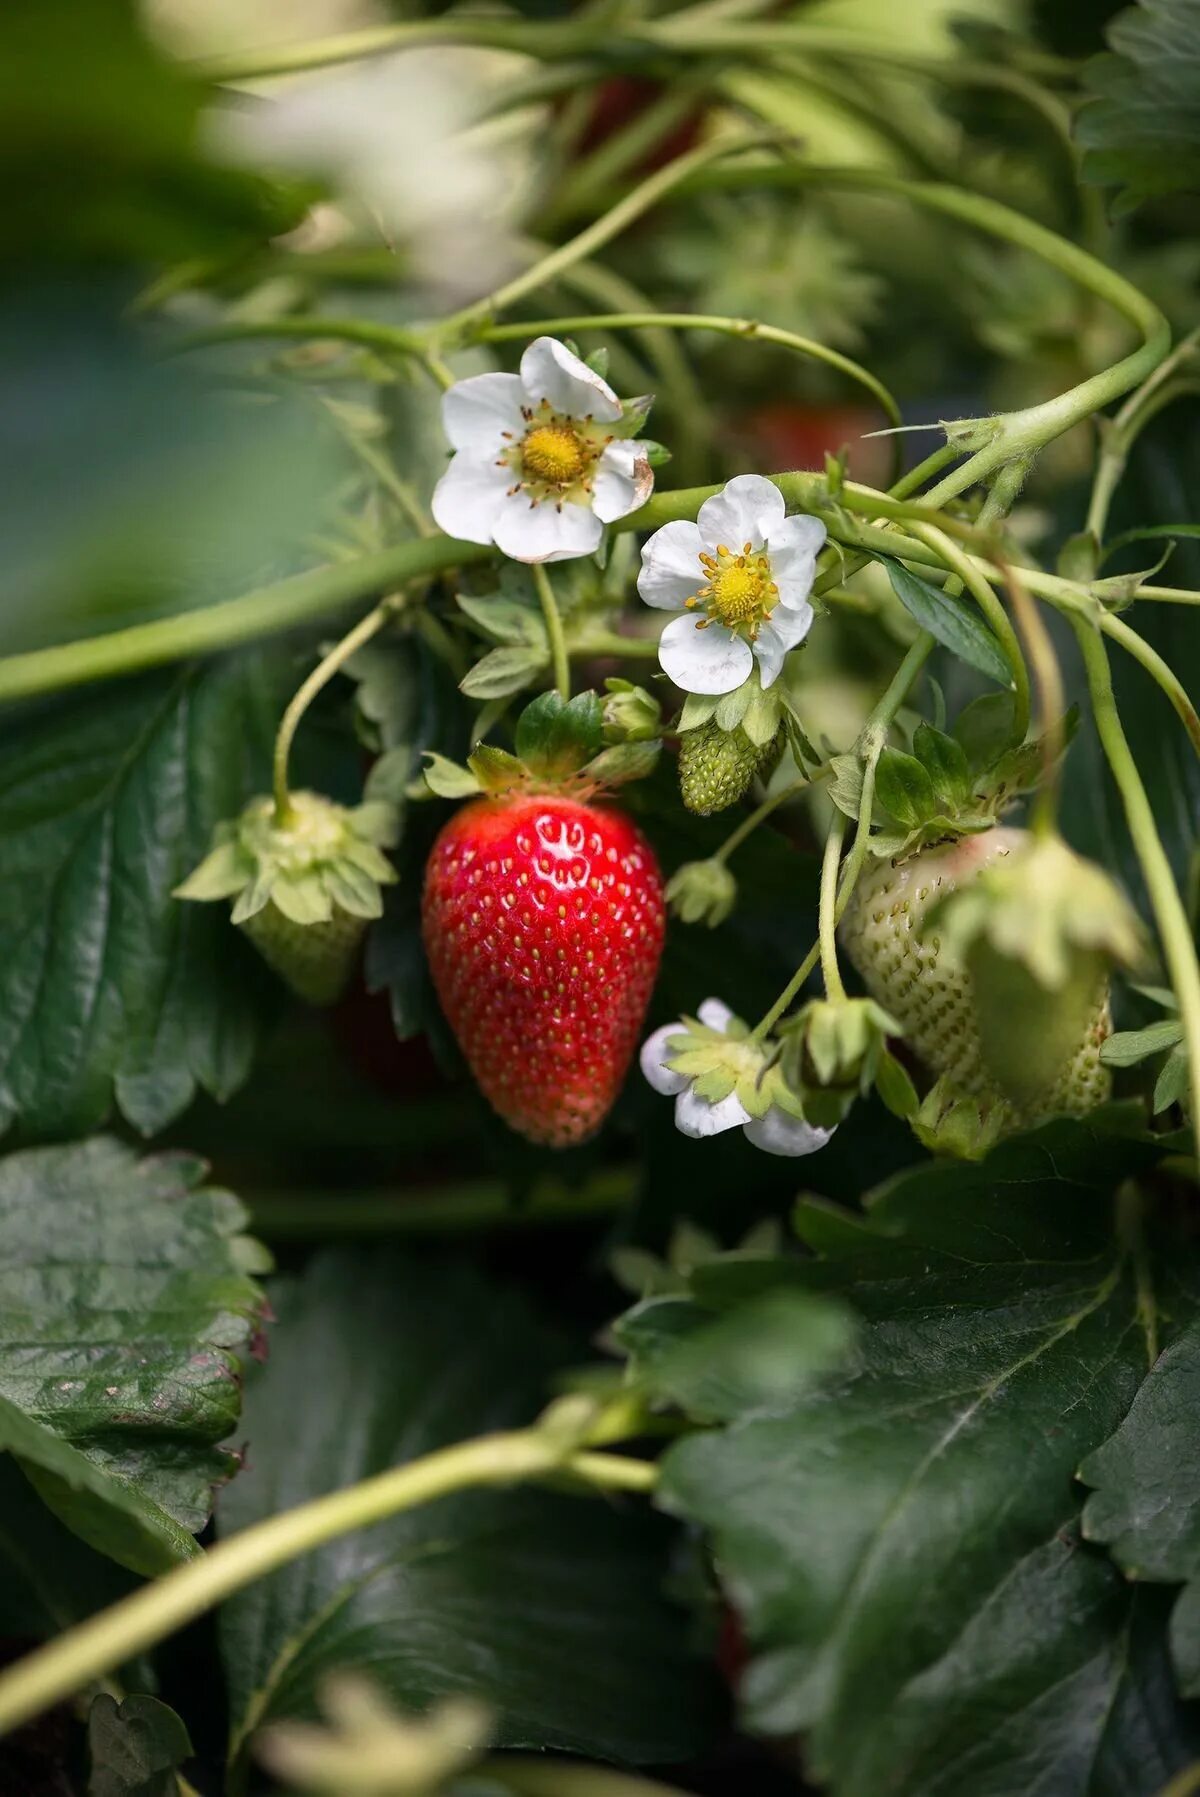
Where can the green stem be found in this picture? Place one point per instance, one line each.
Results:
(637, 201)
(483, 1204)
(830, 863)
(611, 642)
(139, 1622)
(320, 677)
(559, 659)
(1169, 912)
(1119, 433)
(1158, 670)
(310, 326)
(871, 741)
(745, 328)
(540, 37)
(1043, 815)
(748, 825)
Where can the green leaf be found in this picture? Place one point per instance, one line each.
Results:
(949, 621)
(126, 1308)
(904, 788)
(505, 620)
(1141, 131)
(622, 762)
(109, 987)
(555, 737)
(900, 1543)
(1172, 1083)
(135, 1747)
(757, 1359)
(1128, 1047)
(546, 1607)
(503, 672)
(1145, 1507)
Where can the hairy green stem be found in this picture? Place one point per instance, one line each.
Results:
(1170, 914)
(827, 928)
(1159, 389)
(320, 677)
(559, 660)
(748, 825)
(139, 1622)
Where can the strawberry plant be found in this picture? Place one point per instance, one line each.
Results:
(599, 603)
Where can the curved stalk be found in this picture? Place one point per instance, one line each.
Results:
(320, 677)
(830, 862)
(1170, 915)
(138, 1622)
(746, 328)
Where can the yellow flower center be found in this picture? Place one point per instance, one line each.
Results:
(739, 590)
(554, 453)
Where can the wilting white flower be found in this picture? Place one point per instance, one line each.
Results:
(741, 575)
(394, 137)
(678, 1058)
(539, 468)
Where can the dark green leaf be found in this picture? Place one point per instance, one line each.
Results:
(548, 1607)
(135, 1747)
(904, 788)
(1146, 1503)
(1172, 1083)
(109, 987)
(899, 1544)
(505, 619)
(757, 1359)
(125, 1309)
(1129, 1047)
(949, 621)
(1141, 132)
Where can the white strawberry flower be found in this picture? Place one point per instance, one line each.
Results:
(716, 1053)
(741, 576)
(538, 467)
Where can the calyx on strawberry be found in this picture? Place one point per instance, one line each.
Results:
(543, 920)
(303, 889)
(1020, 1046)
(832, 1052)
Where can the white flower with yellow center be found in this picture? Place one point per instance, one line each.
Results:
(741, 575)
(540, 466)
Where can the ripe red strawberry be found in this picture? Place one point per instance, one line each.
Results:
(543, 922)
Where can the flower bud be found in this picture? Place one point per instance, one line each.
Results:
(631, 714)
(702, 892)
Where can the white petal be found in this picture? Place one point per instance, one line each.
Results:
(469, 498)
(696, 1117)
(747, 510)
(544, 533)
(714, 1014)
(476, 412)
(652, 1061)
(624, 481)
(780, 1133)
(801, 536)
(711, 660)
(782, 631)
(671, 570)
(550, 371)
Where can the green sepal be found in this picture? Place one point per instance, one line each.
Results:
(830, 1054)
(657, 454)
(447, 779)
(698, 709)
(622, 762)
(224, 870)
(634, 413)
(945, 761)
(959, 1124)
(903, 788)
(556, 738)
(895, 1088)
(763, 715)
(631, 714)
(702, 892)
(494, 768)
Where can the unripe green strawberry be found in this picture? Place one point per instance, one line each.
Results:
(716, 766)
(909, 970)
(315, 959)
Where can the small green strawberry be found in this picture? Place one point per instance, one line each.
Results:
(305, 889)
(716, 766)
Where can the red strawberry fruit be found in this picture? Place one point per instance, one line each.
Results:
(543, 921)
